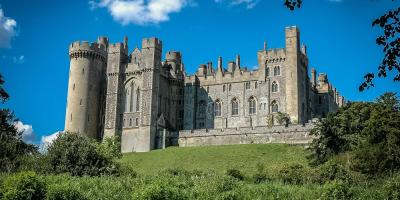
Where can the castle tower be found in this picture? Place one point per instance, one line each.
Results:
(292, 72)
(85, 101)
(116, 65)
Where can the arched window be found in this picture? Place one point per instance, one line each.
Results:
(137, 99)
(126, 94)
(266, 71)
(252, 105)
(132, 92)
(274, 87)
(137, 122)
(130, 122)
(218, 108)
(277, 71)
(274, 107)
(230, 87)
(202, 109)
(235, 107)
(255, 85)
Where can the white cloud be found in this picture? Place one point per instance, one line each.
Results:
(248, 3)
(19, 59)
(139, 11)
(28, 135)
(48, 140)
(7, 30)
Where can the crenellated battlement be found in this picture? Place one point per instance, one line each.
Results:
(152, 43)
(85, 49)
(173, 55)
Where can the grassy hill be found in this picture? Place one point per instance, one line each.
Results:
(246, 157)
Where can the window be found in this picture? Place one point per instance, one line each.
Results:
(130, 122)
(277, 71)
(80, 102)
(83, 70)
(247, 85)
(217, 108)
(202, 109)
(266, 71)
(137, 122)
(274, 87)
(235, 107)
(88, 118)
(137, 99)
(223, 88)
(274, 107)
(208, 89)
(230, 87)
(132, 92)
(255, 85)
(70, 117)
(73, 87)
(252, 106)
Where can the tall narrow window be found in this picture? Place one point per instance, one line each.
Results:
(277, 71)
(266, 71)
(252, 106)
(126, 94)
(247, 85)
(137, 122)
(274, 107)
(137, 99)
(235, 107)
(130, 122)
(223, 88)
(73, 87)
(83, 70)
(274, 87)
(230, 87)
(255, 85)
(132, 92)
(217, 108)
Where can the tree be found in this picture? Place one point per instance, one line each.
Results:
(390, 41)
(368, 132)
(12, 148)
(78, 155)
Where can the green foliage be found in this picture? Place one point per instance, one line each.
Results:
(111, 147)
(293, 174)
(282, 118)
(63, 192)
(392, 188)
(78, 155)
(23, 185)
(12, 148)
(336, 190)
(235, 174)
(330, 171)
(368, 132)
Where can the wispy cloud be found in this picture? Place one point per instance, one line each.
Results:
(7, 30)
(141, 12)
(28, 135)
(19, 59)
(248, 3)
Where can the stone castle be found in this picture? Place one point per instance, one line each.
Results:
(152, 103)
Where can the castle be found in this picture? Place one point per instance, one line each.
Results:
(152, 103)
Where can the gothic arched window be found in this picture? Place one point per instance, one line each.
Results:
(137, 99)
(217, 108)
(252, 105)
(274, 87)
(235, 106)
(277, 70)
(274, 107)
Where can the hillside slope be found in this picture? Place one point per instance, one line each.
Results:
(244, 157)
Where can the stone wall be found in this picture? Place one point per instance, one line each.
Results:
(293, 134)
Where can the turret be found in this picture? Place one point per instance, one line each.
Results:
(85, 87)
(151, 50)
(173, 59)
(313, 78)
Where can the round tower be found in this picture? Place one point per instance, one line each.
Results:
(174, 59)
(85, 100)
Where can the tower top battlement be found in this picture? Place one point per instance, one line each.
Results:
(85, 45)
(173, 55)
(152, 43)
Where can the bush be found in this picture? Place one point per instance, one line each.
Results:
(391, 188)
(293, 174)
(159, 190)
(235, 174)
(23, 185)
(336, 190)
(78, 155)
(330, 171)
(63, 192)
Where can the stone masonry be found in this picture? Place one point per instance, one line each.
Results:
(153, 104)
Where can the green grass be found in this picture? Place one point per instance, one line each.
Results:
(244, 157)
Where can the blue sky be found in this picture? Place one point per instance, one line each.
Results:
(34, 39)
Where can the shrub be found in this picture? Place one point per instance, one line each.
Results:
(23, 185)
(78, 155)
(293, 174)
(235, 174)
(391, 188)
(336, 190)
(330, 171)
(159, 190)
(63, 192)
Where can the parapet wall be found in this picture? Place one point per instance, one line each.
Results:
(293, 134)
